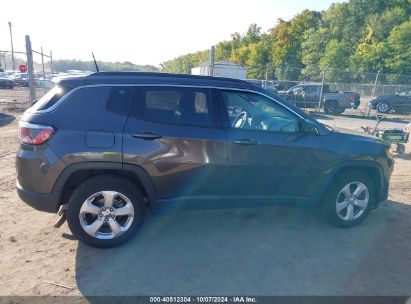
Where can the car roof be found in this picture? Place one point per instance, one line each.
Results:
(155, 78)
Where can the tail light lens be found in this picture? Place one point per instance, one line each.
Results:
(34, 134)
(353, 98)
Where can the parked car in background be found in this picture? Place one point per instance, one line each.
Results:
(269, 86)
(398, 102)
(21, 79)
(308, 96)
(6, 83)
(171, 142)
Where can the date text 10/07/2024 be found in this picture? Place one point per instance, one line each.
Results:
(203, 300)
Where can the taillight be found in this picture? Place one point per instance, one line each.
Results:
(352, 97)
(34, 134)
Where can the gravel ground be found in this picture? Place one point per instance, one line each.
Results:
(275, 251)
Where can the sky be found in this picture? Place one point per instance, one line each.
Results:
(140, 31)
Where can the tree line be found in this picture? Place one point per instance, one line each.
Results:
(347, 42)
(64, 65)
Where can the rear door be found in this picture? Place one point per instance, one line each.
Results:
(174, 134)
(311, 95)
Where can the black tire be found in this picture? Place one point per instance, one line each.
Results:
(95, 185)
(383, 107)
(340, 111)
(400, 149)
(331, 107)
(329, 203)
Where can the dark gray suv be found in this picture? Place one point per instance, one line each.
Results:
(105, 147)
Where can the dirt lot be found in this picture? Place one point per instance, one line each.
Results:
(276, 251)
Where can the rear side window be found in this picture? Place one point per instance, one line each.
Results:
(119, 100)
(311, 89)
(181, 106)
(50, 98)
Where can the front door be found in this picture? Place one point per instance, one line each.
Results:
(269, 157)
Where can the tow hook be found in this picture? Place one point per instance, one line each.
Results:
(62, 214)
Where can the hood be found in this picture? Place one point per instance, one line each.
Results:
(359, 135)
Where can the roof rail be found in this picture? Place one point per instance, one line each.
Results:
(159, 74)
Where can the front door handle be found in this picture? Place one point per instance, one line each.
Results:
(147, 135)
(245, 142)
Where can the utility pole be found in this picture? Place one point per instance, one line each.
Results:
(30, 69)
(51, 63)
(266, 76)
(3, 55)
(212, 51)
(12, 48)
(44, 75)
(321, 93)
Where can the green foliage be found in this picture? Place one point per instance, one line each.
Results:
(335, 59)
(347, 41)
(399, 49)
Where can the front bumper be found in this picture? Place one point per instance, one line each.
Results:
(47, 202)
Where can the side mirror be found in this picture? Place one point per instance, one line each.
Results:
(309, 128)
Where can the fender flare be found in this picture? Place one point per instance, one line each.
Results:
(355, 165)
(135, 170)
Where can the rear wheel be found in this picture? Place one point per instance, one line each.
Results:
(105, 211)
(331, 107)
(383, 107)
(350, 199)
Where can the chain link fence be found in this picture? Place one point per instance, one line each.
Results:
(366, 84)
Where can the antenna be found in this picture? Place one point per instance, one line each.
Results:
(95, 62)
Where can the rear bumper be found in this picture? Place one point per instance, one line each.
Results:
(47, 202)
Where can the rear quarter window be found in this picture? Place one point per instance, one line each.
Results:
(119, 100)
(49, 99)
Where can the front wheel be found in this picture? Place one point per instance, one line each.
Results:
(400, 148)
(105, 211)
(350, 199)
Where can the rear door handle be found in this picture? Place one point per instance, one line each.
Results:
(147, 135)
(245, 142)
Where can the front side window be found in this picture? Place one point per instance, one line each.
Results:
(184, 106)
(251, 111)
(405, 93)
(297, 90)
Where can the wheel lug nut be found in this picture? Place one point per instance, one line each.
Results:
(100, 215)
(104, 209)
(111, 209)
(106, 219)
(113, 216)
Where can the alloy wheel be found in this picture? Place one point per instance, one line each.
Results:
(352, 201)
(106, 214)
